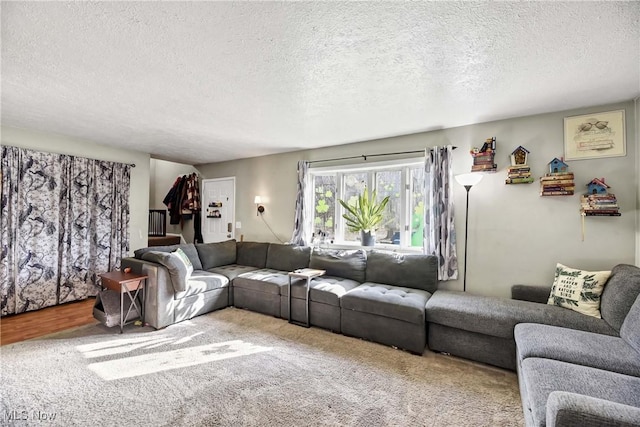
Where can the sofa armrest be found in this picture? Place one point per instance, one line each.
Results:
(530, 293)
(572, 410)
(159, 304)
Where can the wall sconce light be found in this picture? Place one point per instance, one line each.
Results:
(258, 202)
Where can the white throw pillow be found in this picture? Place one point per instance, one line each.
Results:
(578, 290)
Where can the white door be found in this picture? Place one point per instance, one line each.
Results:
(218, 209)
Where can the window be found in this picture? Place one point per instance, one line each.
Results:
(324, 187)
(403, 182)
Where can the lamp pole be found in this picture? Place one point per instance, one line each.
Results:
(466, 234)
(467, 180)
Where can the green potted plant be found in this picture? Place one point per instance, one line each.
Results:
(365, 215)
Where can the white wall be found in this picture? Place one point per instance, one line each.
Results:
(271, 177)
(139, 194)
(161, 178)
(637, 141)
(515, 236)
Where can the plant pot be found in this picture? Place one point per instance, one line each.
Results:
(367, 239)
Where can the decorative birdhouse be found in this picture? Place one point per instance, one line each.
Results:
(597, 186)
(519, 156)
(558, 166)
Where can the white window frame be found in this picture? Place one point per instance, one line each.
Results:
(404, 165)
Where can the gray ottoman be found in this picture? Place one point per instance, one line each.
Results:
(324, 301)
(259, 290)
(481, 328)
(386, 314)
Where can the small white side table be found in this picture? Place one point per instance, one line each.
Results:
(308, 274)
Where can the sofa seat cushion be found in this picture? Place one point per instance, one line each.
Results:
(262, 280)
(498, 316)
(541, 377)
(579, 347)
(406, 304)
(324, 289)
(202, 281)
(232, 271)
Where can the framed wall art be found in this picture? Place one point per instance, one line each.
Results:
(594, 136)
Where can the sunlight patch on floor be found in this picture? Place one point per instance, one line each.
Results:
(127, 345)
(189, 338)
(121, 345)
(163, 361)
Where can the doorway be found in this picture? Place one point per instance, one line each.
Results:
(218, 209)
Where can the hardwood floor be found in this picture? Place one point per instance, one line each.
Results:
(32, 324)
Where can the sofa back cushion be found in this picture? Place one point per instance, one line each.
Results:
(287, 257)
(345, 264)
(252, 254)
(416, 271)
(189, 250)
(217, 254)
(620, 292)
(630, 330)
(178, 264)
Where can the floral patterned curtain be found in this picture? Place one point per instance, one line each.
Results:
(65, 220)
(299, 236)
(440, 235)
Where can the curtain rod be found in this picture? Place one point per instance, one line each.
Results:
(133, 165)
(364, 156)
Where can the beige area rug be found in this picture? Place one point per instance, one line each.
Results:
(234, 367)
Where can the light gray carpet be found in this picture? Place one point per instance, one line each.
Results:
(235, 367)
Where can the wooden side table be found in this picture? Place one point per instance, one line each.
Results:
(130, 284)
(303, 273)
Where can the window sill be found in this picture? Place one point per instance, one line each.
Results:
(380, 246)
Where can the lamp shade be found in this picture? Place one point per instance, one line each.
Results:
(257, 200)
(469, 179)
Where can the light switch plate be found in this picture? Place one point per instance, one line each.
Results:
(238, 224)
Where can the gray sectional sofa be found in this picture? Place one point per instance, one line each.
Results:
(380, 297)
(573, 369)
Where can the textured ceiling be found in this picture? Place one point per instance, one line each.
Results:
(200, 82)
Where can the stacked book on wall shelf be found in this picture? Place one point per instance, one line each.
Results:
(520, 174)
(599, 205)
(483, 158)
(557, 184)
(598, 202)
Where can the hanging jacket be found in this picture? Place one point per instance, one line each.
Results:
(183, 201)
(173, 200)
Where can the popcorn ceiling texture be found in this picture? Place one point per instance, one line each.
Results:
(199, 82)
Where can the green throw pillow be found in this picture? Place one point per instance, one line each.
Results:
(578, 290)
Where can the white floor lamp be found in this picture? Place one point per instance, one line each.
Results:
(467, 180)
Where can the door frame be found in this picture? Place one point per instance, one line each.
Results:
(203, 207)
